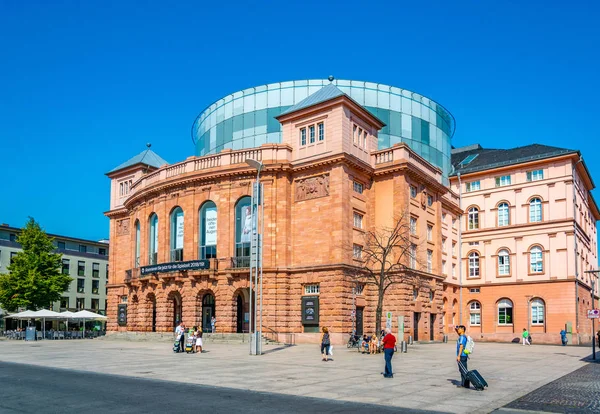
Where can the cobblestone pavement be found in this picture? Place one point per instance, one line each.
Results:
(425, 378)
(577, 392)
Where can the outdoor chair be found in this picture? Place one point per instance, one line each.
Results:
(55, 335)
(61, 335)
(39, 335)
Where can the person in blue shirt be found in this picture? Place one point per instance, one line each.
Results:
(563, 337)
(461, 356)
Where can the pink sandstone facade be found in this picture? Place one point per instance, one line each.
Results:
(513, 252)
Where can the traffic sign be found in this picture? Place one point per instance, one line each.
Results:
(388, 322)
(594, 314)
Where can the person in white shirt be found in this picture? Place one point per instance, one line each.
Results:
(180, 330)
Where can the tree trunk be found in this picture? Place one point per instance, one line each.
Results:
(379, 311)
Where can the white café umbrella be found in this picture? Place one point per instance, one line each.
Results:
(66, 315)
(28, 314)
(46, 314)
(89, 316)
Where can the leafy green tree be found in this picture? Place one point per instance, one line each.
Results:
(35, 279)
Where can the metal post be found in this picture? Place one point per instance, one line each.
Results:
(260, 201)
(460, 287)
(593, 284)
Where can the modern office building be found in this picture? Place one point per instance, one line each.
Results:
(497, 237)
(86, 261)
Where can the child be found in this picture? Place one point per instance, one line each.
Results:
(373, 345)
(525, 337)
(199, 341)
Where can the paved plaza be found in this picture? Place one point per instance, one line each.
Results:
(425, 377)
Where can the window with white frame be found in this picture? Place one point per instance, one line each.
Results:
(413, 225)
(503, 263)
(358, 187)
(474, 264)
(302, 136)
(444, 245)
(358, 220)
(475, 313)
(429, 232)
(472, 186)
(536, 264)
(360, 132)
(474, 290)
(321, 131)
(444, 267)
(473, 217)
(503, 215)
(311, 289)
(537, 312)
(311, 134)
(413, 191)
(354, 129)
(365, 139)
(429, 260)
(413, 256)
(505, 312)
(535, 175)
(502, 180)
(454, 271)
(357, 251)
(415, 293)
(535, 210)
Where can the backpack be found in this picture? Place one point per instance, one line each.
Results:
(470, 346)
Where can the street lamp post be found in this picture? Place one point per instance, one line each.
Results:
(592, 282)
(256, 261)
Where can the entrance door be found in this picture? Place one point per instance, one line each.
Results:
(176, 312)
(240, 314)
(359, 320)
(208, 311)
(431, 326)
(416, 319)
(154, 315)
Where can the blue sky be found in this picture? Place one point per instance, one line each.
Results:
(84, 85)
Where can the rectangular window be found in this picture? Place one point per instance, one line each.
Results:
(64, 303)
(358, 187)
(13, 237)
(413, 256)
(413, 225)
(80, 285)
(454, 271)
(413, 191)
(444, 245)
(365, 139)
(360, 131)
(475, 319)
(429, 260)
(429, 233)
(474, 290)
(303, 136)
(473, 186)
(80, 268)
(311, 134)
(354, 138)
(358, 289)
(505, 316)
(95, 286)
(12, 257)
(321, 131)
(311, 289)
(95, 305)
(80, 304)
(102, 251)
(453, 248)
(357, 251)
(82, 248)
(443, 267)
(502, 181)
(358, 218)
(95, 269)
(429, 200)
(65, 266)
(61, 245)
(535, 175)
(107, 271)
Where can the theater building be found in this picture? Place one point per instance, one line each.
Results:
(326, 181)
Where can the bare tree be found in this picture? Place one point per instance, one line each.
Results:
(388, 257)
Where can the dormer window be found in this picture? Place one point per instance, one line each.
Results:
(303, 136)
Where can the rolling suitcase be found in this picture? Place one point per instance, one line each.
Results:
(474, 377)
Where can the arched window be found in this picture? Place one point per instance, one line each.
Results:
(474, 264)
(208, 231)
(177, 235)
(537, 312)
(475, 313)
(137, 243)
(473, 217)
(535, 210)
(503, 215)
(243, 231)
(153, 240)
(505, 312)
(536, 263)
(503, 263)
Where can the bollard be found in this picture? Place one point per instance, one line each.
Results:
(445, 339)
(403, 347)
(410, 340)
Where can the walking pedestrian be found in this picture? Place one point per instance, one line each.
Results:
(461, 356)
(525, 337)
(563, 337)
(199, 341)
(598, 338)
(325, 343)
(389, 343)
(179, 331)
(213, 322)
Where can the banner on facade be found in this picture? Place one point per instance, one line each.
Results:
(388, 320)
(175, 267)
(210, 227)
(179, 230)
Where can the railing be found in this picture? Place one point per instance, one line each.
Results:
(207, 162)
(176, 169)
(239, 262)
(128, 276)
(285, 337)
(384, 156)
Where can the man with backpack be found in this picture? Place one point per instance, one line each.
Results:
(462, 355)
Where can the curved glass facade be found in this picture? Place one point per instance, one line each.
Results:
(246, 119)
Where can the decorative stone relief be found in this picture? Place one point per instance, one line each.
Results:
(123, 227)
(313, 187)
